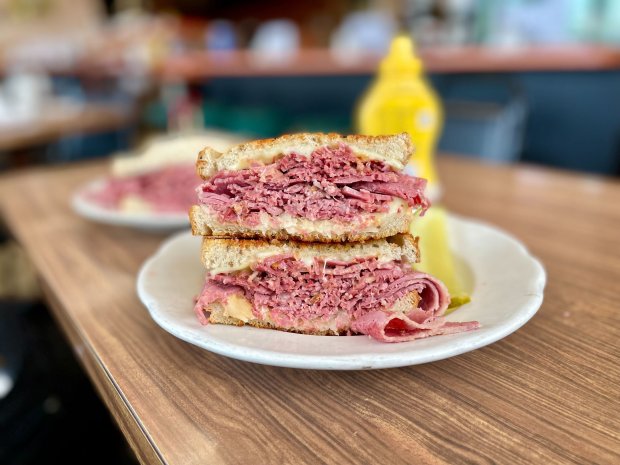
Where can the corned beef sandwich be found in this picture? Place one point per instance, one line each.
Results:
(308, 187)
(358, 288)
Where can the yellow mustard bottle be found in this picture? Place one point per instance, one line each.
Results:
(401, 100)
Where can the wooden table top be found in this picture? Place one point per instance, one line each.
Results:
(546, 394)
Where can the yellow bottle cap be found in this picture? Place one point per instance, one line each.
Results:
(401, 58)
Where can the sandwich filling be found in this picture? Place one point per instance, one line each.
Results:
(331, 184)
(171, 189)
(385, 300)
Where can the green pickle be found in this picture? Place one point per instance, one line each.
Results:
(436, 256)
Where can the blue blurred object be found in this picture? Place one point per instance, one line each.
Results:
(595, 20)
(573, 120)
(563, 119)
(275, 41)
(363, 32)
(484, 118)
(96, 144)
(513, 22)
(539, 22)
(221, 36)
(86, 146)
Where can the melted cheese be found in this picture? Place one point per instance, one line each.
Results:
(238, 307)
(366, 223)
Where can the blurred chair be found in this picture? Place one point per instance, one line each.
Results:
(485, 118)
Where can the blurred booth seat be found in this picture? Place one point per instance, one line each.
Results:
(484, 118)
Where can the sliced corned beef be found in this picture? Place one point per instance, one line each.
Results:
(305, 297)
(331, 184)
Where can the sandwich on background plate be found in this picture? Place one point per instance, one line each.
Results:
(308, 187)
(324, 289)
(159, 178)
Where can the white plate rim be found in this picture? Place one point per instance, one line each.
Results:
(346, 362)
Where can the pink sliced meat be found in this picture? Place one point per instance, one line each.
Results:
(330, 184)
(361, 293)
(387, 327)
(425, 321)
(212, 292)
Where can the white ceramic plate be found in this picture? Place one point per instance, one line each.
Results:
(507, 289)
(146, 221)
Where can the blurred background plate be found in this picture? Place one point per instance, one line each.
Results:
(143, 220)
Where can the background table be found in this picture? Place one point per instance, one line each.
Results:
(546, 394)
(59, 119)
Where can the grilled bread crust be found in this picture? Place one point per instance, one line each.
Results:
(206, 224)
(394, 150)
(222, 254)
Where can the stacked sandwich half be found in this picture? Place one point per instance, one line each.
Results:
(308, 233)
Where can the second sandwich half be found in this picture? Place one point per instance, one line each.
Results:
(358, 288)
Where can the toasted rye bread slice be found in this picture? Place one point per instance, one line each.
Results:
(224, 255)
(394, 150)
(220, 314)
(366, 227)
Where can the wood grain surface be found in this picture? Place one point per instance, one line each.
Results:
(547, 394)
(59, 120)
